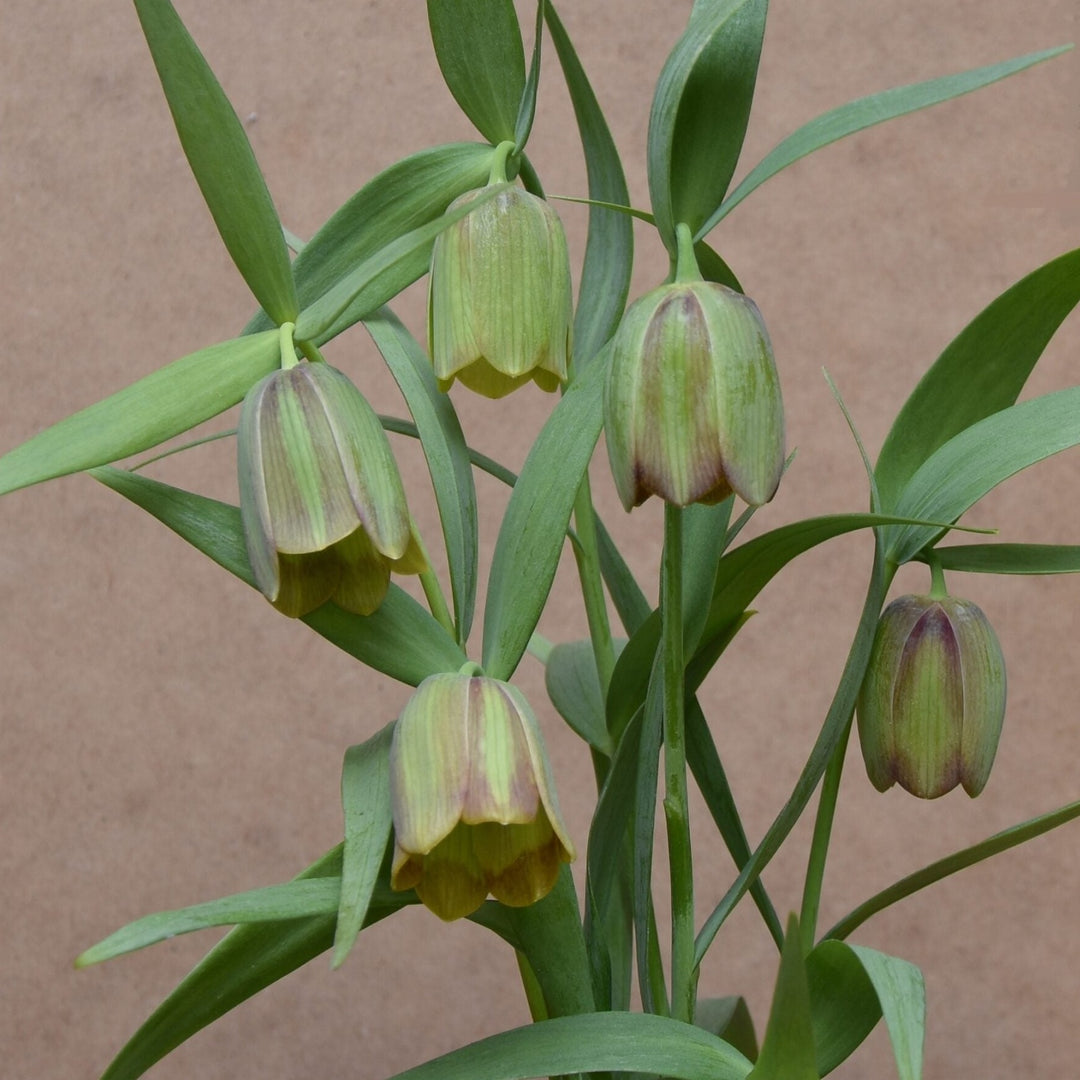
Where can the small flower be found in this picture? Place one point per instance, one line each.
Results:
(499, 301)
(933, 699)
(692, 410)
(320, 496)
(474, 803)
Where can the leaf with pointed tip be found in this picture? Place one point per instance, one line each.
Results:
(1010, 558)
(222, 160)
(729, 1019)
(574, 688)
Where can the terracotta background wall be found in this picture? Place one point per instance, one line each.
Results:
(166, 738)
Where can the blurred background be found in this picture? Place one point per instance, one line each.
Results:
(166, 738)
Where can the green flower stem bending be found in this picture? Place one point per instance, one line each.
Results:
(676, 815)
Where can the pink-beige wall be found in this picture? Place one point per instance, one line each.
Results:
(166, 738)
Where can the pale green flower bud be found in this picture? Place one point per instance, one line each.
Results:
(320, 495)
(474, 803)
(932, 702)
(692, 410)
(499, 300)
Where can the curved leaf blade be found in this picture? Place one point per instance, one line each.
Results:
(222, 160)
(482, 59)
(1010, 558)
(844, 1006)
(574, 688)
(866, 112)
(902, 996)
(527, 107)
(155, 408)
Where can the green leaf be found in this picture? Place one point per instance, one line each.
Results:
(705, 528)
(534, 526)
(902, 996)
(787, 1051)
(400, 199)
(365, 800)
(700, 111)
(574, 688)
(626, 595)
(843, 1004)
(160, 405)
(380, 277)
(446, 453)
(401, 639)
(974, 462)
(1010, 558)
(527, 107)
(951, 864)
(981, 372)
(221, 158)
(482, 58)
(864, 113)
(609, 250)
(729, 1019)
(600, 1042)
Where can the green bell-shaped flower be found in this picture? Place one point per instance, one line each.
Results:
(320, 495)
(932, 702)
(499, 300)
(692, 409)
(474, 803)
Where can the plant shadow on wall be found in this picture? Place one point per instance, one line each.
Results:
(454, 803)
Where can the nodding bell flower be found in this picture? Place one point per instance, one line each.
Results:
(320, 495)
(933, 699)
(692, 409)
(499, 300)
(473, 799)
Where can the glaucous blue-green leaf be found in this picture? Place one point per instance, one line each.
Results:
(981, 372)
(446, 453)
(902, 996)
(574, 688)
(609, 249)
(527, 106)
(704, 530)
(531, 535)
(222, 160)
(700, 111)
(864, 113)
(1010, 558)
(380, 277)
(482, 58)
(630, 602)
(787, 1050)
(729, 1019)
(974, 462)
(400, 199)
(365, 801)
(160, 405)
(401, 639)
(843, 1004)
(598, 1042)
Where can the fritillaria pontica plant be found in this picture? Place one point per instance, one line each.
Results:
(453, 803)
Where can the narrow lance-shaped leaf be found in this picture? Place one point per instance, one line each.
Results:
(482, 58)
(401, 639)
(221, 158)
(160, 405)
(864, 113)
(700, 111)
(527, 107)
(982, 371)
(609, 249)
(1010, 558)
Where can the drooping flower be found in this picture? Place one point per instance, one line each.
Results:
(499, 300)
(932, 702)
(692, 409)
(474, 804)
(320, 495)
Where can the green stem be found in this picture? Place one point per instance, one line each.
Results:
(937, 576)
(286, 345)
(676, 815)
(686, 266)
(311, 351)
(497, 175)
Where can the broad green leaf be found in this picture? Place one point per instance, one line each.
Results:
(446, 454)
(221, 158)
(974, 462)
(951, 864)
(864, 113)
(787, 1051)
(609, 250)
(380, 277)
(401, 639)
(1010, 558)
(981, 372)
(482, 58)
(843, 1004)
(729, 1019)
(700, 111)
(400, 199)
(902, 996)
(365, 800)
(532, 531)
(574, 688)
(527, 106)
(599, 1042)
(160, 405)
